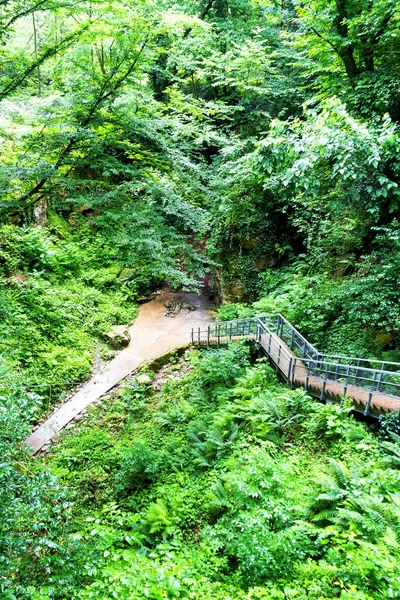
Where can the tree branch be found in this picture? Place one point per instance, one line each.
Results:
(317, 33)
(66, 43)
(102, 96)
(202, 16)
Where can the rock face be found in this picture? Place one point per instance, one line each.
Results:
(118, 336)
(40, 213)
(174, 306)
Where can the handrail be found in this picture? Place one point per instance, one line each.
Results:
(298, 333)
(360, 360)
(268, 332)
(299, 362)
(311, 360)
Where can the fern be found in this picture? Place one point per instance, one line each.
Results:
(393, 453)
(391, 539)
(158, 519)
(327, 514)
(339, 472)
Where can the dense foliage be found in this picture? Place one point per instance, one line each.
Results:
(270, 130)
(225, 485)
(154, 143)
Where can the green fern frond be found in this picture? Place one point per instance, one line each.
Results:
(157, 517)
(395, 437)
(351, 517)
(392, 539)
(395, 498)
(329, 497)
(339, 472)
(324, 515)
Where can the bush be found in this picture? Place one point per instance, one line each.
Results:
(140, 466)
(388, 424)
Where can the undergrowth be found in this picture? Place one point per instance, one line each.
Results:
(58, 297)
(226, 485)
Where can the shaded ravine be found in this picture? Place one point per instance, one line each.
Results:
(152, 335)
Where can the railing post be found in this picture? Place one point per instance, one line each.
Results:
(198, 337)
(192, 337)
(380, 377)
(324, 385)
(292, 339)
(371, 392)
(337, 367)
(230, 332)
(307, 377)
(289, 374)
(318, 365)
(356, 373)
(218, 335)
(304, 349)
(279, 354)
(293, 371)
(346, 385)
(208, 337)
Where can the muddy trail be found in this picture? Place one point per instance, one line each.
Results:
(153, 334)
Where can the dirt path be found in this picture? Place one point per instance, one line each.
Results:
(152, 335)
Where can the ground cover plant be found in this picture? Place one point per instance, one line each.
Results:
(53, 325)
(224, 484)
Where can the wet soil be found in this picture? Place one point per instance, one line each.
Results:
(152, 335)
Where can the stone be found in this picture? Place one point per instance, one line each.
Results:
(118, 336)
(126, 274)
(143, 378)
(176, 367)
(108, 354)
(188, 306)
(173, 307)
(144, 299)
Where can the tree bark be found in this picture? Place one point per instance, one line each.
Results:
(40, 212)
(347, 50)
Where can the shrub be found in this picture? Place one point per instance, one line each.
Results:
(139, 467)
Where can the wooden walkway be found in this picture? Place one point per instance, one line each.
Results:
(373, 386)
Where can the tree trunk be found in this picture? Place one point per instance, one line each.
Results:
(36, 47)
(346, 51)
(40, 213)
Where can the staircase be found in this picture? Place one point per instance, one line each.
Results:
(373, 386)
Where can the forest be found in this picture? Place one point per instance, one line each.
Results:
(248, 150)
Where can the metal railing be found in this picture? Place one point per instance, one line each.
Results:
(300, 363)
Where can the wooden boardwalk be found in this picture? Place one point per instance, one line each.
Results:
(373, 386)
